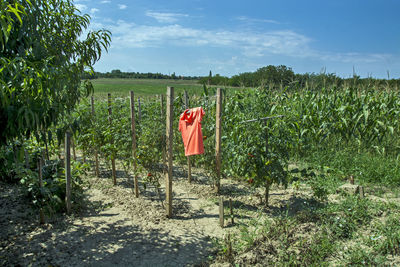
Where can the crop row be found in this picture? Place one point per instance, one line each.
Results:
(258, 151)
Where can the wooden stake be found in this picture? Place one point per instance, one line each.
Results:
(361, 191)
(189, 169)
(136, 184)
(169, 140)
(188, 158)
(231, 208)
(221, 212)
(114, 173)
(73, 148)
(218, 141)
(164, 155)
(267, 184)
(68, 171)
(40, 167)
(96, 153)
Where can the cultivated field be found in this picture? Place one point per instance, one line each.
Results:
(144, 87)
(312, 177)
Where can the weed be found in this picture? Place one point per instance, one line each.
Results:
(344, 218)
(389, 231)
(359, 256)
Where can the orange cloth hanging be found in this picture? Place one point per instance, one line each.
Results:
(190, 127)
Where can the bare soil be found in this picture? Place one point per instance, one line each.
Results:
(113, 228)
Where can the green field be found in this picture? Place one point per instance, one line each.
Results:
(121, 87)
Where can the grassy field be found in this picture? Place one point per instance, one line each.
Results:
(121, 87)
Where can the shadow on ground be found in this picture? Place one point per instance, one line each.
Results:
(70, 242)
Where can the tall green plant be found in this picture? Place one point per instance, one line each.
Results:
(43, 57)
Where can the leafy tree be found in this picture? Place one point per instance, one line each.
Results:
(42, 60)
(275, 75)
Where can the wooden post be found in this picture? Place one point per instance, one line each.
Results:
(163, 137)
(189, 169)
(266, 137)
(139, 110)
(221, 212)
(267, 183)
(361, 191)
(169, 140)
(68, 171)
(96, 153)
(114, 174)
(231, 208)
(218, 141)
(40, 168)
(188, 157)
(136, 184)
(73, 148)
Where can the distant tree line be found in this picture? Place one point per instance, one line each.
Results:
(137, 75)
(269, 76)
(282, 77)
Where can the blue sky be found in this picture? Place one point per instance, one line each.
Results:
(192, 37)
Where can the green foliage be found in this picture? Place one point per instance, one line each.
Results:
(150, 137)
(367, 167)
(318, 185)
(118, 74)
(359, 257)
(279, 77)
(319, 234)
(344, 219)
(51, 196)
(114, 139)
(25, 171)
(324, 127)
(40, 74)
(386, 236)
(257, 150)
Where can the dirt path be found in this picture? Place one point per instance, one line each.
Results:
(115, 229)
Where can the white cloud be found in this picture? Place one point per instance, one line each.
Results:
(249, 44)
(355, 57)
(81, 7)
(94, 10)
(247, 19)
(122, 7)
(165, 17)
(105, 2)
